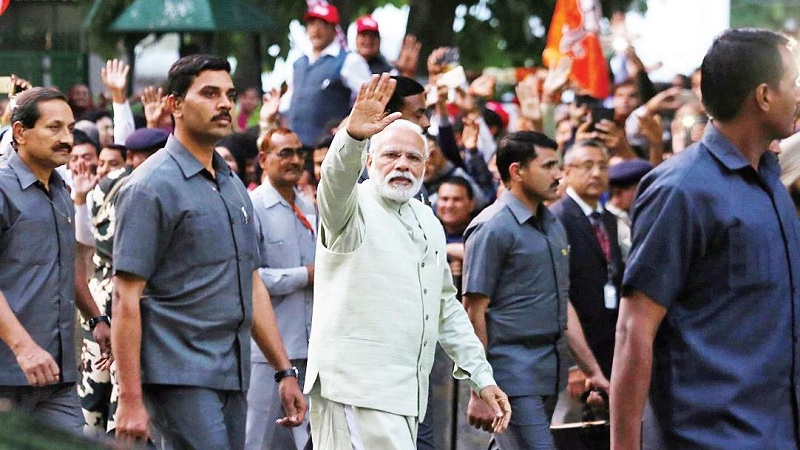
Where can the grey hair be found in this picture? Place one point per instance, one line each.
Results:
(569, 153)
(380, 139)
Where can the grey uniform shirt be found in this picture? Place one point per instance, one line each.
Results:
(287, 246)
(37, 250)
(192, 238)
(521, 263)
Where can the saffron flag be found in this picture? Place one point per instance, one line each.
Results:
(574, 33)
(3, 6)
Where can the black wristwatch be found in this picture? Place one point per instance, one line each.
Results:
(281, 374)
(95, 320)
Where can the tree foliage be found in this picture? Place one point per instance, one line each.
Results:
(489, 32)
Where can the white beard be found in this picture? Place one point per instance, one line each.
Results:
(399, 194)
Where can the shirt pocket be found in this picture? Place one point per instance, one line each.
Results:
(278, 254)
(205, 239)
(752, 256)
(31, 242)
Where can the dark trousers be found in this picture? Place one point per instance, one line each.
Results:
(191, 417)
(57, 404)
(530, 424)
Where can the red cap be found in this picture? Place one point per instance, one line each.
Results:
(366, 23)
(328, 13)
(499, 110)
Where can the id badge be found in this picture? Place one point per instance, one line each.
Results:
(610, 296)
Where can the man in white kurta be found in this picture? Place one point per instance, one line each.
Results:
(383, 290)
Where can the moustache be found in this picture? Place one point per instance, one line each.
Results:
(60, 147)
(404, 175)
(554, 185)
(223, 115)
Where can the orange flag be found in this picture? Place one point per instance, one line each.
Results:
(573, 33)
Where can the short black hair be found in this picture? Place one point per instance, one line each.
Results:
(96, 114)
(406, 87)
(520, 147)
(119, 148)
(26, 109)
(460, 181)
(737, 62)
(324, 142)
(79, 138)
(183, 72)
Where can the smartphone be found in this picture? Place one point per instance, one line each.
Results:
(450, 58)
(588, 100)
(599, 113)
(5, 85)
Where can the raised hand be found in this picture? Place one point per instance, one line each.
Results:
(83, 181)
(270, 104)
(115, 79)
(153, 102)
(557, 77)
(483, 86)
(368, 116)
(19, 85)
(435, 66)
(528, 94)
(409, 56)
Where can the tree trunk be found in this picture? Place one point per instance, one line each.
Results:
(248, 68)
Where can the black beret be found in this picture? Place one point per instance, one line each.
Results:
(628, 172)
(146, 140)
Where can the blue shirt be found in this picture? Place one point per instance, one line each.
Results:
(716, 243)
(37, 250)
(521, 263)
(191, 236)
(287, 246)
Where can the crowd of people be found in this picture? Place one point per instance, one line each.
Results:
(274, 270)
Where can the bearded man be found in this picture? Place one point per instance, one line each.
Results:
(385, 291)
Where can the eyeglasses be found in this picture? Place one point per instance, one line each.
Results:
(415, 159)
(589, 166)
(288, 152)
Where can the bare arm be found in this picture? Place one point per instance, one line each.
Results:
(38, 365)
(126, 341)
(639, 319)
(267, 336)
(86, 304)
(581, 352)
(479, 413)
(476, 305)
